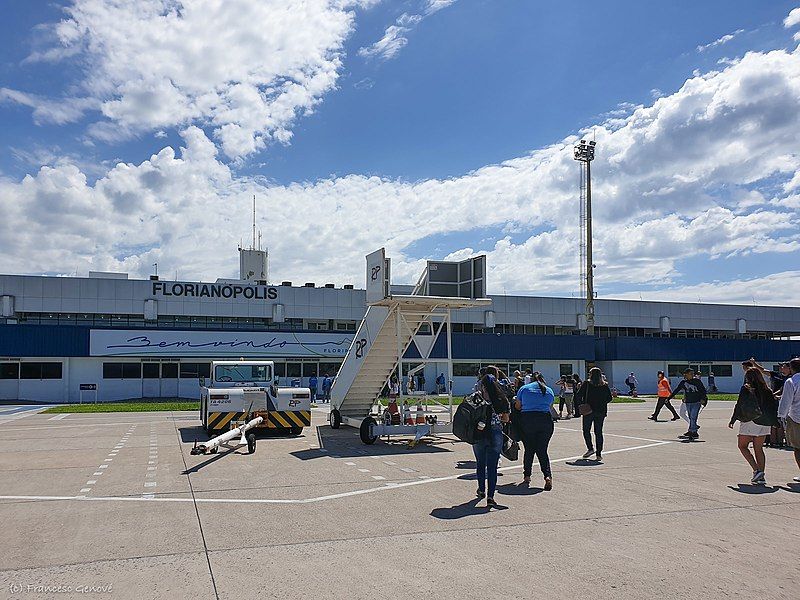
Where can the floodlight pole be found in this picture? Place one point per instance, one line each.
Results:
(584, 153)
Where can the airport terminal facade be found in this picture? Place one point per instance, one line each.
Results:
(155, 338)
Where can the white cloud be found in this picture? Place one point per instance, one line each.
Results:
(45, 110)
(792, 19)
(778, 289)
(244, 69)
(720, 41)
(394, 38)
(692, 176)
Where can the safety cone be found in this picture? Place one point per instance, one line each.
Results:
(420, 414)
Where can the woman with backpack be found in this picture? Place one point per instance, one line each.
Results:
(489, 437)
(534, 402)
(593, 400)
(757, 411)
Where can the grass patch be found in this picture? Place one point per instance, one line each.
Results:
(626, 400)
(724, 397)
(107, 407)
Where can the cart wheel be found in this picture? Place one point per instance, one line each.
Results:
(365, 431)
(297, 430)
(213, 451)
(335, 419)
(251, 443)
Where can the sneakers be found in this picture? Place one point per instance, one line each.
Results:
(480, 494)
(758, 477)
(686, 436)
(653, 418)
(548, 484)
(675, 418)
(588, 454)
(490, 502)
(796, 479)
(526, 480)
(598, 457)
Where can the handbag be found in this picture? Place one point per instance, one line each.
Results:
(584, 409)
(510, 448)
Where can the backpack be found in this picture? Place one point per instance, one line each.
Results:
(468, 414)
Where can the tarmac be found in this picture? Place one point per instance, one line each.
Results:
(113, 505)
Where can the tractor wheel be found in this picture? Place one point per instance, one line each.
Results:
(251, 443)
(297, 430)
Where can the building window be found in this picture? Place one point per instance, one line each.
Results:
(122, 370)
(195, 370)
(565, 369)
(150, 370)
(9, 370)
(169, 370)
(465, 369)
(40, 370)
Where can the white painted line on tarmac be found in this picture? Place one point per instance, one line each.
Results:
(350, 464)
(150, 484)
(378, 477)
(363, 470)
(98, 473)
(58, 417)
(606, 434)
(389, 486)
(86, 490)
(91, 482)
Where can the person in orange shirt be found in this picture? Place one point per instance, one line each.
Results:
(664, 392)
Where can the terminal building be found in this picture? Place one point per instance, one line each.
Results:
(153, 338)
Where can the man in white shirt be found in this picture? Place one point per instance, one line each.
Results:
(789, 410)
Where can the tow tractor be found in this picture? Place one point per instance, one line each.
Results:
(240, 392)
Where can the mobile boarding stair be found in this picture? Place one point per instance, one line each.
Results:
(391, 325)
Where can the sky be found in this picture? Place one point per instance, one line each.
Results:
(136, 132)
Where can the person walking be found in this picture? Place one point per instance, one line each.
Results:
(576, 385)
(535, 426)
(596, 393)
(695, 397)
(632, 384)
(757, 411)
(327, 383)
(712, 382)
(569, 396)
(664, 390)
(789, 410)
(489, 437)
(312, 385)
(561, 383)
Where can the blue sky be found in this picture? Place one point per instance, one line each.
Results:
(476, 83)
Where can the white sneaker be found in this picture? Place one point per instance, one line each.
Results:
(797, 479)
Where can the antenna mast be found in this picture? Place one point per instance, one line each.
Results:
(584, 153)
(253, 247)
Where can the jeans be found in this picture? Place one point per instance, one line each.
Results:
(662, 402)
(536, 429)
(597, 421)
(487, 454)
(693, 410)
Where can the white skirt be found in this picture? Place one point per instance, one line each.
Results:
(754, 429)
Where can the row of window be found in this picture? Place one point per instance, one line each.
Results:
(702, 370)
(267, 324)
(195, 370)
(31, 370)
(180, 322)
(470, 369)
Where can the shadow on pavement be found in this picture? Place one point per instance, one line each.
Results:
(518, 489)
(746, 488)
(792, 487)
(466, 464)
(584, 462)
(345, 443)
(196, 433)
(459, 511)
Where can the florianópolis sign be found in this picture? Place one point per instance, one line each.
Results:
(214, 290)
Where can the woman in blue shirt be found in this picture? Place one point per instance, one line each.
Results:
(536, 427)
